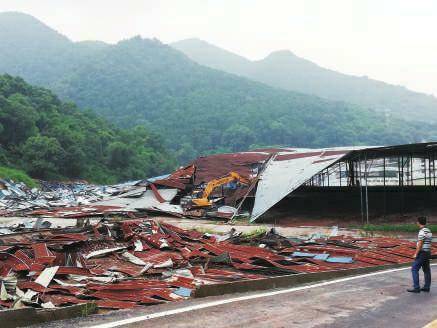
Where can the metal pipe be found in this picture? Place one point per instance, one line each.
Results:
(367, 192)
(385, 192)
(424, 167)
(361, 191)
(411, 169)
(433, 167)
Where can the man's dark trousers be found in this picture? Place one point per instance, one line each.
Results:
(421, 261)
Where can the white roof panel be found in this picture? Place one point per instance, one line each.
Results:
(286, 171)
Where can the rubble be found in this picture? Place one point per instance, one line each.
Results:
(138, 262)
(219, 186)
(79, 199)
(17, 198)
(162, 195)
(214, 186)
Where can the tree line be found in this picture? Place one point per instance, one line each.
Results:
(51, 139)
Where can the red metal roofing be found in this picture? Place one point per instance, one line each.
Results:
(215, 166)
(115, 282)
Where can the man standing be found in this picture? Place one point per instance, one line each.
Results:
(422, 256)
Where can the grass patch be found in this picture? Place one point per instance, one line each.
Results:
(408, 227)
(17, 176)
(255, 233)
(207, 230)
(241, 218)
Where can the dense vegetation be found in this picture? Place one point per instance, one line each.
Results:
(51, 139)
(285, 70)
(197, 110)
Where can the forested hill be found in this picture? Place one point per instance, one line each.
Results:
(197, 110)
(50, 139)
(285, 70)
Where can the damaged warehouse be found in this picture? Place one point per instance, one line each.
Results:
(362, 180)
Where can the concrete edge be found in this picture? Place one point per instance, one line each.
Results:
(32, 316)
(285, 281)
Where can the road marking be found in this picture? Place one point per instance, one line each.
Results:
(432, 324)
(238, 299)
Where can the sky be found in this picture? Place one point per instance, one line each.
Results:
(390, 40)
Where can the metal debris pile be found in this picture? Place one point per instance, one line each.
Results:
(162, 195)
(125, 264)
(215, 186)
(79, 199)
(17, 199)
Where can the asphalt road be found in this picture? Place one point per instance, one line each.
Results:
(375, 300)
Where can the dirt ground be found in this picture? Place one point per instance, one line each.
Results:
(244, 227)
(210, 226)
(302, 227)
(346, 221)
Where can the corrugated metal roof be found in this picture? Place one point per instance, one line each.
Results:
(286, 171)
(215, 166)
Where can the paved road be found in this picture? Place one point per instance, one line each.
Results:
(376, 300)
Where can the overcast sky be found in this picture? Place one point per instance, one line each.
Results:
(390, 40)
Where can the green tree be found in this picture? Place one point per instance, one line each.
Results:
(42, 157)
(17, 119)
(238, 137)
(55, 140)
(119, 155)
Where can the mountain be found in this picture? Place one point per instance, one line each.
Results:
(197, 110)
(50, 139)
(209, 55)
(26, 44)
(283, 69)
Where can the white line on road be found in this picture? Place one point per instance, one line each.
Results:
(237, 299)
(431, 324)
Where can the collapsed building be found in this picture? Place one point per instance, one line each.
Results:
(263, 183)
(362, 181)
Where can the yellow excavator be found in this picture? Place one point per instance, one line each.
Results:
(204, 201)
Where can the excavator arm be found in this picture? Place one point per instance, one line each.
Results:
(204, 201)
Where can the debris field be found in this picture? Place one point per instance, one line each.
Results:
(135, 262)
(124, 259)
(215, 186)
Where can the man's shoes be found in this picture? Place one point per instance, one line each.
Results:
(413, 290)
(426, 290)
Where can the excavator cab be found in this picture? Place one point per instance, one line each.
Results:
(201, 199)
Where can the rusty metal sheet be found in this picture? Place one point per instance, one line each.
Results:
(116, 305)
(184, 261)
(215, 166)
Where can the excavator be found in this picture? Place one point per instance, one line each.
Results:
(204, 201)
